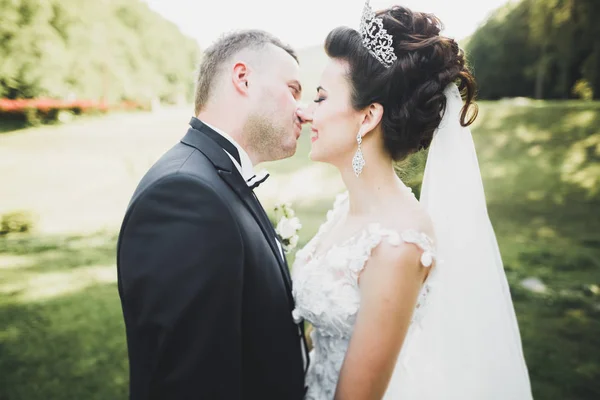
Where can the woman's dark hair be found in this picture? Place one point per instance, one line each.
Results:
(411, 90)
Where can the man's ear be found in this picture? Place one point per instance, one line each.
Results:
(239, 77)
(371, 118)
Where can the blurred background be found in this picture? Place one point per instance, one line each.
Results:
(93, 92)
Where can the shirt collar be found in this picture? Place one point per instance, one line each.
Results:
(246, 169)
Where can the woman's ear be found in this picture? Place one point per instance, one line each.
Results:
(371, 118)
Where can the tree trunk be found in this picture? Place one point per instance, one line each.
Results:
(540, 75)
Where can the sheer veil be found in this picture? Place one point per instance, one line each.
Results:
(467, 344)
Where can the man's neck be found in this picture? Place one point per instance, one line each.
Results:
(232, 125)
(247, 165)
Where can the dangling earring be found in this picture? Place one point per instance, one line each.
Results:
(358, 162)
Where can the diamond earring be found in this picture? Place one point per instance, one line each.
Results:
(358, 162)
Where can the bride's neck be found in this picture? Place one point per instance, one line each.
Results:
(375, 187)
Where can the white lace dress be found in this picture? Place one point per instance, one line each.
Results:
(326, 292)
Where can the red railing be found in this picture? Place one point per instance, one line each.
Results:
(45, 105)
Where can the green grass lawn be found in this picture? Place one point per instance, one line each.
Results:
(61, 330)
(62, 333)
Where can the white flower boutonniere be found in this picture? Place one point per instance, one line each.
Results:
(287, 227)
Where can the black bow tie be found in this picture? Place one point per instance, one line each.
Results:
(255, 182)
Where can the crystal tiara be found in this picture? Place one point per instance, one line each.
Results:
(375, 38)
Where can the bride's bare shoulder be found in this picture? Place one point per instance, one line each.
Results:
(409, 216)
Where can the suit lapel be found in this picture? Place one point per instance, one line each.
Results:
(229, 173)
(235, 181)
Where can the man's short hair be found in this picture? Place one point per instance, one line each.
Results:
(224, 48)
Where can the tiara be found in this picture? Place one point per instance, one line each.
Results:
(375, 37)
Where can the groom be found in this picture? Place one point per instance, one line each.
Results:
(204, 285)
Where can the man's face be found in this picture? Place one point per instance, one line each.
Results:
(273, 128)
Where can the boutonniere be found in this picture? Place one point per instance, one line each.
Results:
(288, 226)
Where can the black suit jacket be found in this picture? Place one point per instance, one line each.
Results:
(206, 295)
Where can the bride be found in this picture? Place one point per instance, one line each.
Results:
(408, 299)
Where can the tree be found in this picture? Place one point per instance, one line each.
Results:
(501, 55)
(111, 49)
(538, 48)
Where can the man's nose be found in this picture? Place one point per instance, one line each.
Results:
(304, 114)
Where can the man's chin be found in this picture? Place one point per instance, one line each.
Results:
(289, 148)
(289, 151)
(282, 154)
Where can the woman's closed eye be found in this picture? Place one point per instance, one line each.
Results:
(320, 99)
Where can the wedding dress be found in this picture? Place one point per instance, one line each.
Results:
(327, 294)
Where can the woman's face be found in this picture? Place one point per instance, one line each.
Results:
(335, 124)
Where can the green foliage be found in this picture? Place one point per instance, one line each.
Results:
(583, 90)
(537, 48)
(16, 221)
(499, 54)
(113, 50)
(31, 117)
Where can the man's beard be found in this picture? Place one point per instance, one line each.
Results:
(265, 137)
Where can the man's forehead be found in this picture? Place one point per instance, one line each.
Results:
(273, 60)
(282, 57)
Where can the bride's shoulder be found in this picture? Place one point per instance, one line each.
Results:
(409, 216)
(418, 230)
(400, 252)
(404, 244)
(409, 235)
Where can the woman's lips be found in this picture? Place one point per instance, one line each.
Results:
(314, 135)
